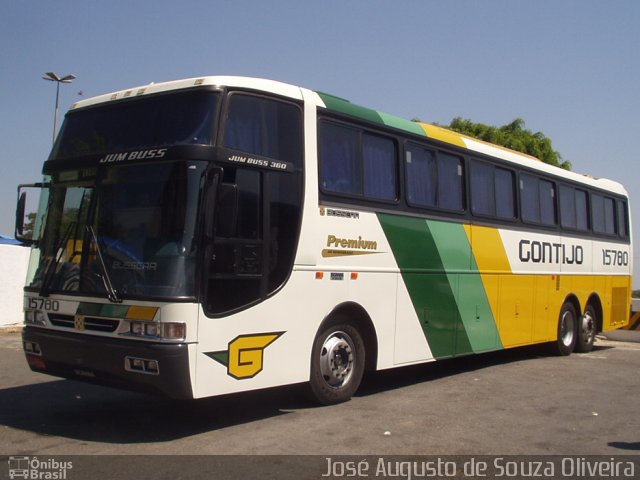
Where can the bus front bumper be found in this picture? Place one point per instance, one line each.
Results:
(157, 368)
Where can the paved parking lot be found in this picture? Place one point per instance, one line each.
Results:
(513, 402)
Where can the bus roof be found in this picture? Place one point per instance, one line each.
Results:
(340, 105)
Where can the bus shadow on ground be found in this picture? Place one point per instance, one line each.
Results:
(86, 412)
(401, 377)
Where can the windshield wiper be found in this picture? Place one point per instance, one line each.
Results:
(51, 268)
(112, 293)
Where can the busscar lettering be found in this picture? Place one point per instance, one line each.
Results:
(137, 155)
(547, 252)
(138, 266)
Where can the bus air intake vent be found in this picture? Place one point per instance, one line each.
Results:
(91, 324)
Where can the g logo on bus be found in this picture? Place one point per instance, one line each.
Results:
(78, 322)
(245, 356)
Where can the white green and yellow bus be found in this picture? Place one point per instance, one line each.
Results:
(224, 234)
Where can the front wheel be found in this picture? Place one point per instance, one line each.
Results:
(567, 330)
(587, 330)
(337, 364)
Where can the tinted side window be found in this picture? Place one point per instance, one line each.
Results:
(483, 201)
(597, 213)
(450, 182)
(609, 216)
(265, 127)
(379, 165)
(505, 194)
(604, 214)
(422, 176)
(548, 214)
(339, 165)
(357, 163)
(567, 207)
(574, 213)
(582, 210)
(492, 190)
(623, 223)
(530, 199)
(538, 200)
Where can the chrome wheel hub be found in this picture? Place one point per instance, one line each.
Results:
(337, 359)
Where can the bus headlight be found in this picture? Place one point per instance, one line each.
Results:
(174, 331)
(164, 331)
(137, 328)
(35, 317)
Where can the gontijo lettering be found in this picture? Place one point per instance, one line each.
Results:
(547, 252)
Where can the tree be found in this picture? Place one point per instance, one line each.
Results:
(513, 136)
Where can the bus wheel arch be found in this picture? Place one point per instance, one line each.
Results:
(589, 324)
(344, 346)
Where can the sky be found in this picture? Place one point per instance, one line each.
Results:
(569, 68)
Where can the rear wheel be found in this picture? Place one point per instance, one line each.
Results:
(587, 330)
(337, 364)
(567, 330)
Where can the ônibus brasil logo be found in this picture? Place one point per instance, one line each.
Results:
(36, 469)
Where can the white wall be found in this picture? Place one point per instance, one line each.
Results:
(13, 265)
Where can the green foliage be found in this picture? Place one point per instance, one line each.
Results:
(513, 136)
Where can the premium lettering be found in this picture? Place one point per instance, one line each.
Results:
(357, 243)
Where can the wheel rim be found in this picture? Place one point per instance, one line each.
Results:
(337, 358)
(566, 329)
(588, 327)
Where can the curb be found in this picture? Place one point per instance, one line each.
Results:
(14, 328)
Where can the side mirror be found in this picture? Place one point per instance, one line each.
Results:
(26, 211)
(22, 203)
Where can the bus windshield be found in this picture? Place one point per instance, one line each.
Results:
(129, 232)
(184, 118)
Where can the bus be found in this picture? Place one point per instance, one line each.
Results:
(222, 234)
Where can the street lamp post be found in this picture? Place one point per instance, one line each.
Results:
(53, 77)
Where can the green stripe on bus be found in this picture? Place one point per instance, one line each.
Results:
(444, 284)
(465, 279)
(402, 124)
(344, 106)
(341, 105)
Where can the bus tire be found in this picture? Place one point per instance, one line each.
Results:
(567, 330)
(337, 363)
(587, 330)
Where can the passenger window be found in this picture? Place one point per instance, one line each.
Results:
(623, 224)
(530, 199)
(547, 203)
(357, 163)
(538, 200)
(450, 182)
(339, 166)
(567, 207)
(483, 200)
(597, 212)
(379, 165)
(422, 177)
(505, 194)
(582, 211)
(265, 127)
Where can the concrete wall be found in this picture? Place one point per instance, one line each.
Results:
(13, 265)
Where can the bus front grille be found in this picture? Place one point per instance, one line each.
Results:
(86, 323)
